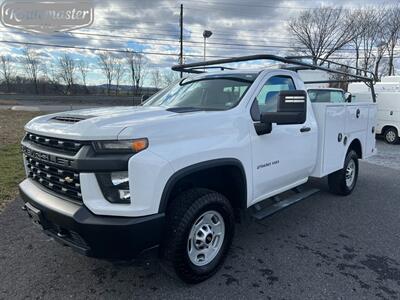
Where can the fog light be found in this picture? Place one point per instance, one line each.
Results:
(124, 195)
(118, 178)
(115, 186)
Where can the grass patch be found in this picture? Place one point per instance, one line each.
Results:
(12, 172)
(11, 165)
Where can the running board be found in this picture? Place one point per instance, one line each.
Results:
(282, 204)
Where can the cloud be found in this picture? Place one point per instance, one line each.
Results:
(239, 28)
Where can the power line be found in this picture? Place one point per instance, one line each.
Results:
(249, 4)
(195, 44)
(102, 49)
(156, 41)
(148, 31)
(198, 42)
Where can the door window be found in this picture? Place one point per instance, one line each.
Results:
(267, 99)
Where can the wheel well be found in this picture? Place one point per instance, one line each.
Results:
(386, 127)
(356, 146)
(228, 179)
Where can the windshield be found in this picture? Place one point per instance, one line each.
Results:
(204, 93)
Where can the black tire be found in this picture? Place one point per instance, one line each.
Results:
(183, 212)
(391, 136)
(337, 180)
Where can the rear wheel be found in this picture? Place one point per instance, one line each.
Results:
(199, 234)
(391, 135)
(343, 182)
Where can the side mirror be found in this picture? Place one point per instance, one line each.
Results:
(292, 109)
(347, 97)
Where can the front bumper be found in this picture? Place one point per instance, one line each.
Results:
(97, 236)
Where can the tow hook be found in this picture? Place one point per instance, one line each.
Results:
(62, 234)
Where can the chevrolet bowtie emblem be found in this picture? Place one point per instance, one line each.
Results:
(68, 179)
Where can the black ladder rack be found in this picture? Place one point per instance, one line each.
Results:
(294, 63)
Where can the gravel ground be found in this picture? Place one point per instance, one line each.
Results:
(326, 247)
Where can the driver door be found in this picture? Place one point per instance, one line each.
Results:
(285, 157)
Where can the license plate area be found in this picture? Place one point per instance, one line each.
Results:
(35, 215)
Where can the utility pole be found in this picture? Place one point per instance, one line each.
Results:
(181, 38)
(206, 35)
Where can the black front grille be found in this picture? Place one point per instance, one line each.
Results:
(61, 181)
(50, 142)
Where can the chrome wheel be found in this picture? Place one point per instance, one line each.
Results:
(206, 238)
(390, 136)
(350, 173)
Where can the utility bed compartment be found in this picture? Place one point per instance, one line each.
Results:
(338, 125)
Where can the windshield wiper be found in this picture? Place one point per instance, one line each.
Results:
(184, 109)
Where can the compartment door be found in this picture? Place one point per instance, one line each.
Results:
(357, 118)
(335, 119)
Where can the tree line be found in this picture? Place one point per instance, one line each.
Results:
(371, 36)
(69, 76)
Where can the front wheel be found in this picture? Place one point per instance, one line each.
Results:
(343, 182)
(199, 234)
(391, 136)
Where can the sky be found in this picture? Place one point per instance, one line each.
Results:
(152, 27)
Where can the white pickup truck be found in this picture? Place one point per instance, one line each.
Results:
(179, 171)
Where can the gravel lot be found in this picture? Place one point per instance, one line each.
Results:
(326, 247)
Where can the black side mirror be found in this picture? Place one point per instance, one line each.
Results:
(347, 97)
(292, 109)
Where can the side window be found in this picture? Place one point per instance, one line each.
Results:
(267, 99)
(337, 97)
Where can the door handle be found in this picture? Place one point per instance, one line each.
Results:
(358, 113)
(305, 129)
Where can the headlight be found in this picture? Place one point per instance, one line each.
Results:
(124, 146)
(115, 186)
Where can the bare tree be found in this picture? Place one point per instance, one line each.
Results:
(323, 31)
(169, 77)
(107, 65)
(359, 17)
(6, 70)
(32, 66)
(83, 68)
(138, 69)
(130, 57)
(67, 67)
(392, 34)
(52, 76)
(370, 22)
(380, 52)
(119, 74)
(156, 78)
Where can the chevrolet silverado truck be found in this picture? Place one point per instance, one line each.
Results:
(181, 169)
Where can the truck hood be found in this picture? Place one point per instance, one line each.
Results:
(95, 124)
